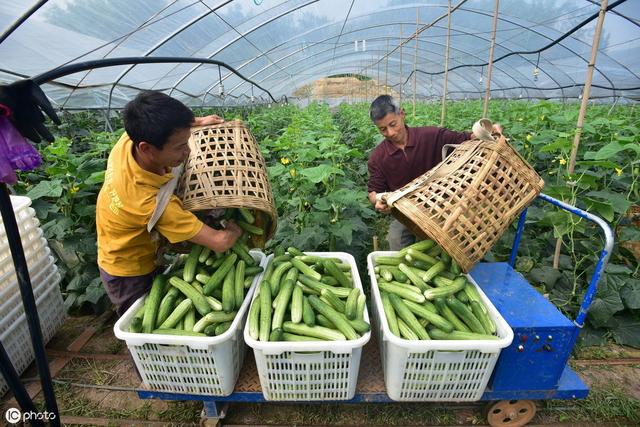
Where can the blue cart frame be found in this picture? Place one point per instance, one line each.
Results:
(569, 386)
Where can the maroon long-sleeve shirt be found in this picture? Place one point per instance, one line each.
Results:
(391, 168)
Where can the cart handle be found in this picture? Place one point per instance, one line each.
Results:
(602, 261)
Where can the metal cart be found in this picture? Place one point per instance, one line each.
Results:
(533, 367)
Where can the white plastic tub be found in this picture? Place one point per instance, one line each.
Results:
(436, 370)
(184, 364)
(314, 370)
(15, 330)
(41, 275)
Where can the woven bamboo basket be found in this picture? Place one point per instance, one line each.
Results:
(226, 170)
(468, 200)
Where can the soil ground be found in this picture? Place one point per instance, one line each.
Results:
(101, 390)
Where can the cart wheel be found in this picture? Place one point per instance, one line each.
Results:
(510, 413)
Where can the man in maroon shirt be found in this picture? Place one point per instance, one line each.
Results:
(404, 154)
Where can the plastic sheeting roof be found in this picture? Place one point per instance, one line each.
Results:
(283, 45)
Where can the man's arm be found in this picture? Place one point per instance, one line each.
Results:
(213, 119)
(217, 240)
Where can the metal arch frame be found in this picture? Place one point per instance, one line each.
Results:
(262, 24)
(558, 42)
(324, 51)
(563, 36)
(305, 80)
(162, 42)
(335, 23)
(111, 62)
(520, 25)
(469, 54)
(16, 24)
(121, 40)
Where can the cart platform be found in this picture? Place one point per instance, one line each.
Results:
(492, 277)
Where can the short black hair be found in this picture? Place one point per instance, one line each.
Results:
(153, 117)
(381, 106)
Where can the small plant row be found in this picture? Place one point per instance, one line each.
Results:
(307, 298)
(425, 296)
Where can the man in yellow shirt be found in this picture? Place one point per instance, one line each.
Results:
(156, 140)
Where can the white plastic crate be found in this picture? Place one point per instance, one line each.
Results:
(34, 265)
(183, 364)
(313, 370)
(436, 370)
(33, 251)
(15, 336)
(49, 278)
(41, 275)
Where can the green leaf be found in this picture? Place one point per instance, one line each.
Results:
(630, 294)
(604, 209)
(629, 234)
(94, 292)
(344, 232)
(320, 173)
(46, 189)
(609, 151)
(346, 197)
(590, 336)
(322, 204)
(276, 170)
(547, 275)
(628, 331)
(613, 268)
(95, 178)
(618, 201)
(607, 301)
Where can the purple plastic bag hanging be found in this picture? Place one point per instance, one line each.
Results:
(15, 153)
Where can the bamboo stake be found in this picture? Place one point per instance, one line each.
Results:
(586, 93)
(443, 111)
(415, 60)
(490, 66)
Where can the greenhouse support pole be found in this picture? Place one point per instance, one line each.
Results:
(386, 69)
(400, 81)
(443, 111)
(586, 93)
(415, 61)
(29, 302)
(487, 94)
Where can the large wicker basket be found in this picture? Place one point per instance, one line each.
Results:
(226, 170)
(468, 200)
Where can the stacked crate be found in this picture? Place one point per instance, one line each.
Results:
(14, 330)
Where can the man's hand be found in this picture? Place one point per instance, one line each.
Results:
(213, 119)
(496, 128)
(382, 207)
(22, 101)
(378, 203)
(233, 229)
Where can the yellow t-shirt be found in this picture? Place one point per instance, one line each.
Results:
(125, 204)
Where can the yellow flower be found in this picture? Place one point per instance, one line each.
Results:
(529, 137)
(285, 161)
(562, 161)
(542, 118)
(292, 172)
(75, 189)
(618, 171)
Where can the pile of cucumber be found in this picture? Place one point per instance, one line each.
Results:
(307, 298)
(202, 299)
(425, 296)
